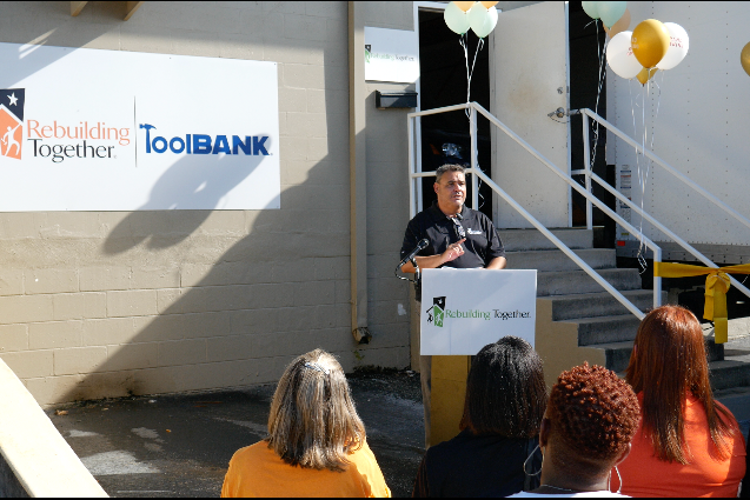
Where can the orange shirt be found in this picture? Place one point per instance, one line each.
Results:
(643, 475)
(257, 471)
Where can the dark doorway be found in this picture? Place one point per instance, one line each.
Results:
(445, 137)
(586, 44)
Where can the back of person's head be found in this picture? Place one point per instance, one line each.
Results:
(592, 416)
(505, 390)
(667, 363)
(669, 354)
(313, 422)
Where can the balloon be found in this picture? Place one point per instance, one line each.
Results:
(488, 4)
(645, 75)
(678, 47)
(620, 56)
(650, 42)
(464, 6)
(611, 12)
(745, 58)
(592, 9)
(621, 25)
(482, 20)
(456, 19)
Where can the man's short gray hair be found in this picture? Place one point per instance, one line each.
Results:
(448, 167)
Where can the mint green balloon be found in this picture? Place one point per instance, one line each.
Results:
(611, 12)
(482, 20)
(456, 19)
(591, 8)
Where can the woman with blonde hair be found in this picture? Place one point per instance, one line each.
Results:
(688, 444)
(317, 444)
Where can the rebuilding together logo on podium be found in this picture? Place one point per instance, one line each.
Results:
(437, 312)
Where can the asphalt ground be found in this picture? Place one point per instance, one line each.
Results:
(180, 445)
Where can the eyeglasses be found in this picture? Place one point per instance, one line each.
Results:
(460, 231)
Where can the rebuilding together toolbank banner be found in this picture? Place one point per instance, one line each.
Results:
(141, 132)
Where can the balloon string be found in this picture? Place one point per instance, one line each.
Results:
(639, 171)
(647, 161)
(602, 70)
(643, 177)
(469, 73)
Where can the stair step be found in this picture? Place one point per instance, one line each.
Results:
(618, 357)
(734, 370)
(516, 240)
(556, 260)
(569, 282)
(590, 305)
(606, 329)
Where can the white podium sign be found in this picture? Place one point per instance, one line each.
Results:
(463, 310)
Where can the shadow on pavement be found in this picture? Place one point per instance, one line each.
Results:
(180, 445)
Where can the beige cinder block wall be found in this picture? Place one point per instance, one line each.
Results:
(104, 304)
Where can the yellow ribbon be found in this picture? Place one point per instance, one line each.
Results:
(717, 285)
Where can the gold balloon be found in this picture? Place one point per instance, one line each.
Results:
(646, 74)
(464, 6)
(621, 25)
(745, 58)
(650, 42)
(488, 5)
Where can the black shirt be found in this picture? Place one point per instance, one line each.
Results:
(478, 466)
(482, 242)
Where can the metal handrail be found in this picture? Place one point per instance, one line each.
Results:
(590, 175)
(586, 113)
(474, 108)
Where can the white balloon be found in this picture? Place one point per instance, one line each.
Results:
(679, 43)
(620, 56)
(482, 20)
(456, 19)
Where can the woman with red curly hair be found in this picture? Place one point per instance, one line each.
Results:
(688, 444)
(591, 417)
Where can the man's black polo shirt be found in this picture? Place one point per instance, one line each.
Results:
(482, 242)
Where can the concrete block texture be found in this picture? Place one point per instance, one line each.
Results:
(11, 281)
(25, 308)
(14, 338)
(79, 360)
(30, 363)
(107, 304)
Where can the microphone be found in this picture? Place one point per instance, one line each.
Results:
(420, 246)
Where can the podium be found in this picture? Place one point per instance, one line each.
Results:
(462, 310)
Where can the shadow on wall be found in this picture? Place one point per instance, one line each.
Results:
(243, 308)
(186, 185)
(56, 27)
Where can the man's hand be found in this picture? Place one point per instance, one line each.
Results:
(454, 251)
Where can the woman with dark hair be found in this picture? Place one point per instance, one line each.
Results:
(591, 417)
(317, 443)
(688, 444)
(505, 401)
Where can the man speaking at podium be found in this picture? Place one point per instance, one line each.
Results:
(458, 237)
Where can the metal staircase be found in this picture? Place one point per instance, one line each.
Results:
(587, 308)
(579, 316)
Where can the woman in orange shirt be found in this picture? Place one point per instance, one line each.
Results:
(317, 445)
(687, 444)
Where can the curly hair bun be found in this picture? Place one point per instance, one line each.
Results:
(594, 411)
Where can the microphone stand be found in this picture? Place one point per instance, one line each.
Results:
(417, 277)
